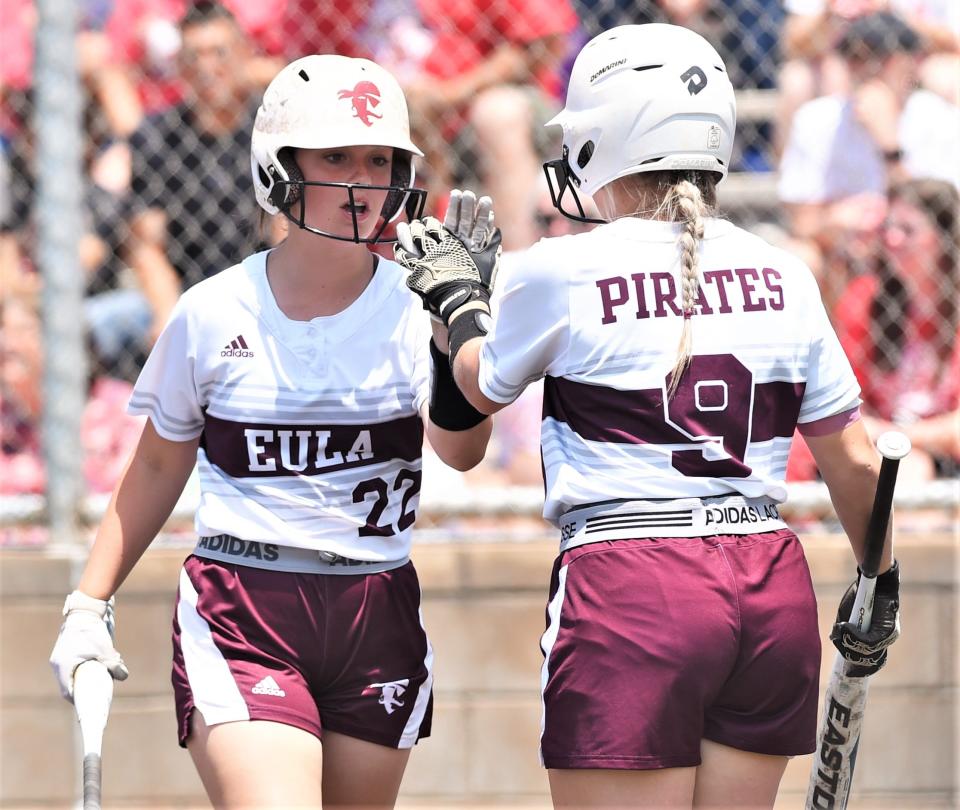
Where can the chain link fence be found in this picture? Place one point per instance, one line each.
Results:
(133, 184)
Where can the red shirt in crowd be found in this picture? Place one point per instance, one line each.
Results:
(143, 34)
(920, 385)
(468, 31)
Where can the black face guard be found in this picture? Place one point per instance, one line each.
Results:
(412, 199)
(562, 183)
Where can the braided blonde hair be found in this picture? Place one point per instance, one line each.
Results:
(687, 197)
(689, 204)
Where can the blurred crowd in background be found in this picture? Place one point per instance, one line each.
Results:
(858, 133)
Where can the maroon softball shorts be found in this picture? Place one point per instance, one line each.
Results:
(654, 644)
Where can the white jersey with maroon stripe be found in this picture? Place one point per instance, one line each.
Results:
(598, 315)
(310, 431)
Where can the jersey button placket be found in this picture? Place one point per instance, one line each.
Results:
(320, 355)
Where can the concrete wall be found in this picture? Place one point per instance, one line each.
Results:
(483, 604)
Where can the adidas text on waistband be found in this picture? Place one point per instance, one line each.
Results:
(276, 557)
(687, 517)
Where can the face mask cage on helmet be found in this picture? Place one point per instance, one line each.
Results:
(401, 195)
(563, 188)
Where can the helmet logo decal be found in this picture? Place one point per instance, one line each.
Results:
(364, 97)
(695, 78)
(606, 68)
(713, 137)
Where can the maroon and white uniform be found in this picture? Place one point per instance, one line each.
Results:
(310, 469)
(668, 508)
(598, 315)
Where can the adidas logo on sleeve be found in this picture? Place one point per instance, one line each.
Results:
(236, 348)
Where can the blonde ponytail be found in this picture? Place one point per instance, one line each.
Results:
(687, 197)
(689, 208)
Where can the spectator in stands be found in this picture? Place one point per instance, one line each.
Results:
(485, 75)
(111, 307)
(900, 327)
(813, 27)
(844, 149)
(108, 434)
(111, 89)
(144, 37)
(111, 113)
(193, 204)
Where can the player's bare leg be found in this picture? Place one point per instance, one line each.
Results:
(729, 778)
(357, 773)
(623, 790)
(254, 764)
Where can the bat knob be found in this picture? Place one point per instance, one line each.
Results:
(893, 445)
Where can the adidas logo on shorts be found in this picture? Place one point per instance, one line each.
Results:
(236, 348)
(268, 686)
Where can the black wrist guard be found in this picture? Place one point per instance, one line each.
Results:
(449, 408)
(470, 321)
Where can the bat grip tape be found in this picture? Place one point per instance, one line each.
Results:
(91, 781)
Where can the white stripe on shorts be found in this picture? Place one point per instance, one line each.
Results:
(215, 693)
(412, 729)
(547, 640)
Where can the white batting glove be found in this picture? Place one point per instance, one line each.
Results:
(470, 219)
(86, 634)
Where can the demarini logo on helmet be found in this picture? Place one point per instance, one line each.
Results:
(607, 68)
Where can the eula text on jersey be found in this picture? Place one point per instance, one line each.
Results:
(654, 295)
(244, 449)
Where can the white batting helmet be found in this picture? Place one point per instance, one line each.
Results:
(325, 101)
(646, 98)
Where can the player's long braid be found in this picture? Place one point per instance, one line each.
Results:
(688, 207)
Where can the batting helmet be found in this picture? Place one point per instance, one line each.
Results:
(325, 101)
(643, 98)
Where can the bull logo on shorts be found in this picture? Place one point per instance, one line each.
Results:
(389, 692)
(364, 97)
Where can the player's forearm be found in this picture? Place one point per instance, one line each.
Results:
(141, 503)
(466, 372)
(850, 466)
(461, 449)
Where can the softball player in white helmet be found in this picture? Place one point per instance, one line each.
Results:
(322, 102)
(299, 383)
(679, 354)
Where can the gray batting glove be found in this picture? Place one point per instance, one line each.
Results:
(470, 219)
(85, 635)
